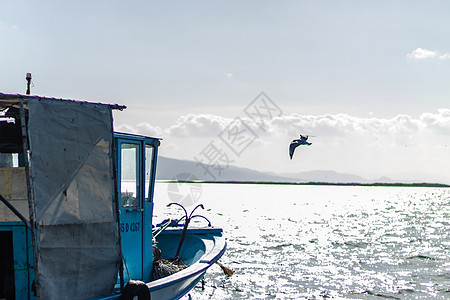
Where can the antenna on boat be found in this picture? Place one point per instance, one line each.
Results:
(28, 83)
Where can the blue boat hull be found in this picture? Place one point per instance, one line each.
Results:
(201, 249)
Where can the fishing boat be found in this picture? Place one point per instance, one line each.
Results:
(76, 209)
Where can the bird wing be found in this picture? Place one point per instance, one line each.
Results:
(292, 147)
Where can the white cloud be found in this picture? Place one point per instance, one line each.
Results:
(125, 128)
(150, 130)
(326, 125)
(368, 146)
(198, 125)
(229, 75)
(342, 129)
(421, 53)
(141, 128)
(438, 123)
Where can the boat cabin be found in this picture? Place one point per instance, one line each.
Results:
(136, 158)
(75, 198)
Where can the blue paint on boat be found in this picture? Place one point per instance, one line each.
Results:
(136, 158)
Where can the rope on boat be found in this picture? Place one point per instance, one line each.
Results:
(126, 267)
(165, 267)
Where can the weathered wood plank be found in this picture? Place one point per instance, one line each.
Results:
(13, 187)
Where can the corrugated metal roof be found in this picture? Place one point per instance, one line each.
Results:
(12, 100)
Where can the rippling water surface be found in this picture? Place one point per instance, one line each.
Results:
(315, 242)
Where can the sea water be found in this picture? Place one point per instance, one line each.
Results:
(316, 242)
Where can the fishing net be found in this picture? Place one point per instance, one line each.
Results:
(166, 267)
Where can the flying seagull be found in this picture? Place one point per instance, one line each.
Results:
(295, 143)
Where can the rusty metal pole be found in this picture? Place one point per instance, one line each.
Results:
(116, 203)
(30, 197)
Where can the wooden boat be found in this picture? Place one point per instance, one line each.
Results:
(77, 210)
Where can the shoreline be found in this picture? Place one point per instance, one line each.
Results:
(380, 184)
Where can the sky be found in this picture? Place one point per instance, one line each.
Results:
(234, 82)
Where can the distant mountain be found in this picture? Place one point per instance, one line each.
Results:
(333, 177)
(169, 169)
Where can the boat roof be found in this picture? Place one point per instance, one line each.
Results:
(12, 100)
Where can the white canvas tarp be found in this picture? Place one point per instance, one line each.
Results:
(72, 172)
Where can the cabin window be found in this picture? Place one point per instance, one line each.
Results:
(148, 169)
(130, 177)
(10, 138)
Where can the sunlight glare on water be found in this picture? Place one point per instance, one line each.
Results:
(290, 241)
